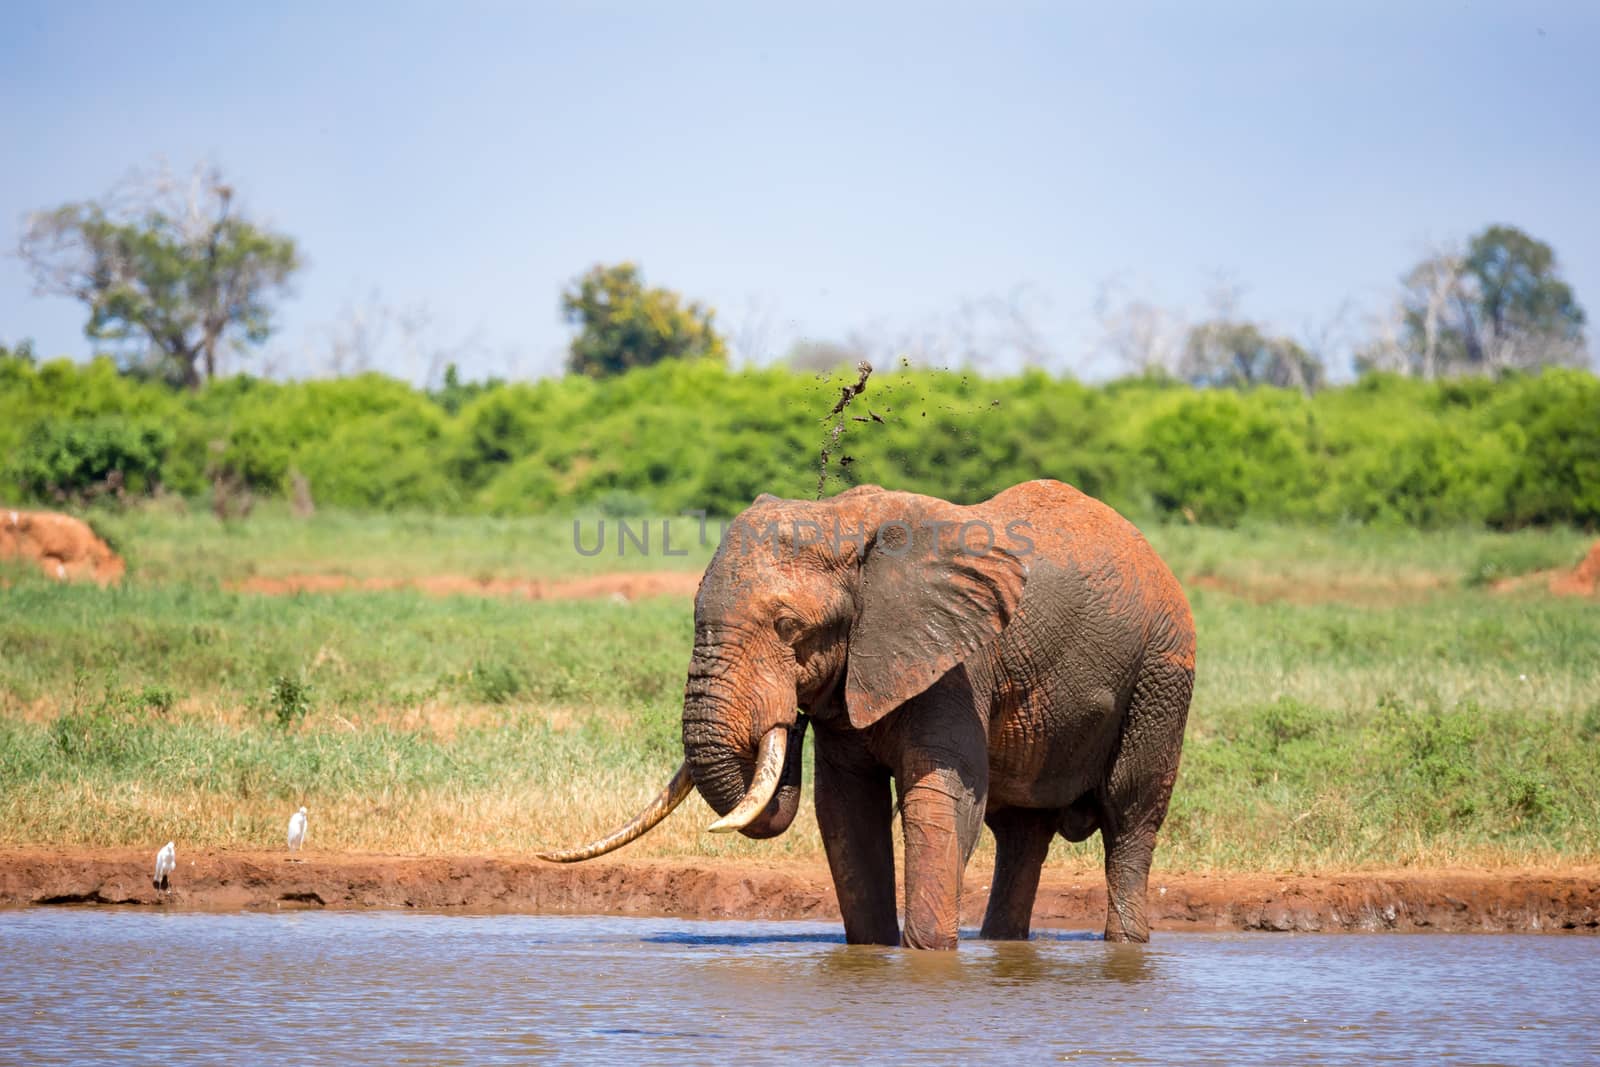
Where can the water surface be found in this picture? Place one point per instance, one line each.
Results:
(79, 985)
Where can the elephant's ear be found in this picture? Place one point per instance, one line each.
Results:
(933, 591)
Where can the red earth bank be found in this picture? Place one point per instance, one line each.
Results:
(1509, 900)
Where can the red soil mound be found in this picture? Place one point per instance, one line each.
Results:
(1584, 580)
(63, 547)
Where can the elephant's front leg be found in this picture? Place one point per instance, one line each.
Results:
(854, 814)
(940, 815)
(943, 780)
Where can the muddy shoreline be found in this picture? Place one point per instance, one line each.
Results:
(1486, 901)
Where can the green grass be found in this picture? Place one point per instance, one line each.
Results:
(1394, 711)
(1384, 561)
(172, 542)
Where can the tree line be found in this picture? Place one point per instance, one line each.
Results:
(173, 274)
(1523, 449)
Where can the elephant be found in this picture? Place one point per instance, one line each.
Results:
(1025, 662)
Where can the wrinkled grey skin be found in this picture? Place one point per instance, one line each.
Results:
(1041, 688)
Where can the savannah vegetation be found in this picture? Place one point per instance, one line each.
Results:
(1473, 402)
(1389, 450)
(1369, 693)
(1366, 697)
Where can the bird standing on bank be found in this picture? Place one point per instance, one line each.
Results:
(297, 830)
(166, 863)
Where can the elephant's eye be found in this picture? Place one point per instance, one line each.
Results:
(788, 628)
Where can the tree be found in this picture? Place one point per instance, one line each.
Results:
(1517, 310)
(1144, 338)
(622, 324)
(985, 334)
(1499, 305)
(455, 394)
(170, 269)
(399, 339)
(1237, 354)
(21, 351)
(751, 338)
(1431, 288)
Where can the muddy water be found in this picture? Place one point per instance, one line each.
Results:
(92, 986)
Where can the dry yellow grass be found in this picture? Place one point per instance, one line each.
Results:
(1415, 719)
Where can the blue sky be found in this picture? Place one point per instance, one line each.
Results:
(820, 169)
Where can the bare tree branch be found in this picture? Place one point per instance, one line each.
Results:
(1142, 337)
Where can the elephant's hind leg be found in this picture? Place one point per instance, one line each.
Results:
(1022, 839)
(1137, 792)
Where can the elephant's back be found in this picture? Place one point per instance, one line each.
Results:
(1085, 550)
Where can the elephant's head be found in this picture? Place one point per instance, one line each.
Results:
(844, 609)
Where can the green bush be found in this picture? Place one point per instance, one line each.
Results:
(1557, 417)
(73, 458)
(1220, 456)
(496, 681)
(254, 450)
(1428, 475)
(382, 462)
(693, 435)
(289, 697)
(497, 429)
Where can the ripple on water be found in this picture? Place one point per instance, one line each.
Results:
(80, 985)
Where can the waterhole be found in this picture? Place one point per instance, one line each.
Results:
(390, 988)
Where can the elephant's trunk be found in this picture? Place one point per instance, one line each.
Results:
(770, 759)
(762, 802)
(756, 791)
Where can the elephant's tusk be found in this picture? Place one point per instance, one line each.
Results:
(769, 770)
(654, 812)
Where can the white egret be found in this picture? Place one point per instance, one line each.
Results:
(297, 830)
(166, 862)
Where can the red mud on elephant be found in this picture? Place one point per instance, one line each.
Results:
(1026, 662)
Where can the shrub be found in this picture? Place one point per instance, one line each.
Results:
(65, 458)
(685, 435)
(526, 487)
(1557, 417)
(496, 681)
(382, 462)
(498, 428)
(1218, 456)
(289, 698)
(1427, 475)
